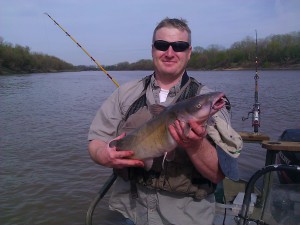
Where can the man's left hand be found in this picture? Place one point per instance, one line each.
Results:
(188, 135)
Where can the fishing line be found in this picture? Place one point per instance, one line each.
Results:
(83, 49)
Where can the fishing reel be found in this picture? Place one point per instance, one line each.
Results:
(255, 117)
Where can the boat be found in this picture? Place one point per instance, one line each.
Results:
(276, 202)
(289, 157)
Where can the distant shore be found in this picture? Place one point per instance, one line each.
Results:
(290, 67)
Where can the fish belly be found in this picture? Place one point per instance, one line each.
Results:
(149, 142)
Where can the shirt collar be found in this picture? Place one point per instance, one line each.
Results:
(173, 90)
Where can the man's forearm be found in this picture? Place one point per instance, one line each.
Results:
(95, 147)
(205, 160)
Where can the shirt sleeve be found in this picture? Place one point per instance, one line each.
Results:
(105, 125)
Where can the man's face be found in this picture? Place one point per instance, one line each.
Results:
(170, 62)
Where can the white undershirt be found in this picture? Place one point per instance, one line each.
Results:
(163, 95)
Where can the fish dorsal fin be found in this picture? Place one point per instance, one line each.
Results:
(156, 109)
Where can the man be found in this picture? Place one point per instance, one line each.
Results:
(182, 191)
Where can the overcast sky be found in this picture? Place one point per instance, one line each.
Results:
(114, 31)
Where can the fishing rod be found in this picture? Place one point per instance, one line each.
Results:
(256, 106)
(98, 64)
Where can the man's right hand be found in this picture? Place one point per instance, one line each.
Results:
(107, 156)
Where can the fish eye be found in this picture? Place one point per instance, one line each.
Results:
(198, 106)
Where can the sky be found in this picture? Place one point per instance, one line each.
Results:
(114, 31)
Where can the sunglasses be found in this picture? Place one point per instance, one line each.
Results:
(178, 46)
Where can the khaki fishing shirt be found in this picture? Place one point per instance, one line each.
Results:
(152, 207)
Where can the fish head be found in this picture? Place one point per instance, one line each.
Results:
(202, 107)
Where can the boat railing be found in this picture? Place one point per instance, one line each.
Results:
(272, 148)
(281, 203)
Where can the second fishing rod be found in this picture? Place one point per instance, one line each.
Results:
(256, 106)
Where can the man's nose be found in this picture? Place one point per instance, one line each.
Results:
(170, 51)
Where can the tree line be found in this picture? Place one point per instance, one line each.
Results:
(19, 59)
(274, 51)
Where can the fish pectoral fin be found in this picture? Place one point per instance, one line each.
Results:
(170, 156)
(156, 109)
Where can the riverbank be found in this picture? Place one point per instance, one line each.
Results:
(289, 67)
(4, 71)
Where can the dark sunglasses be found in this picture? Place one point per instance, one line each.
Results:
(178, 46)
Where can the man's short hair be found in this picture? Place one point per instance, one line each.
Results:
(180, 24)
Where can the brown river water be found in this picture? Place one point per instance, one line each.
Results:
(46, 174)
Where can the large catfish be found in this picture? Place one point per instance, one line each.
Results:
(153, 138)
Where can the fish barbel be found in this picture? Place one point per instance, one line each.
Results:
(153, 138)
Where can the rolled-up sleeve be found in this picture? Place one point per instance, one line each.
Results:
(105, 124)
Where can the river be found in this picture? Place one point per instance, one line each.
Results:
(46, 174)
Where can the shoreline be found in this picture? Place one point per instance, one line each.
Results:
(5, 72)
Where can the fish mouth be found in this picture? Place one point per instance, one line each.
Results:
(218, 102)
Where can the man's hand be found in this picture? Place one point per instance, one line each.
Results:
(107, 156)
(189, 136)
